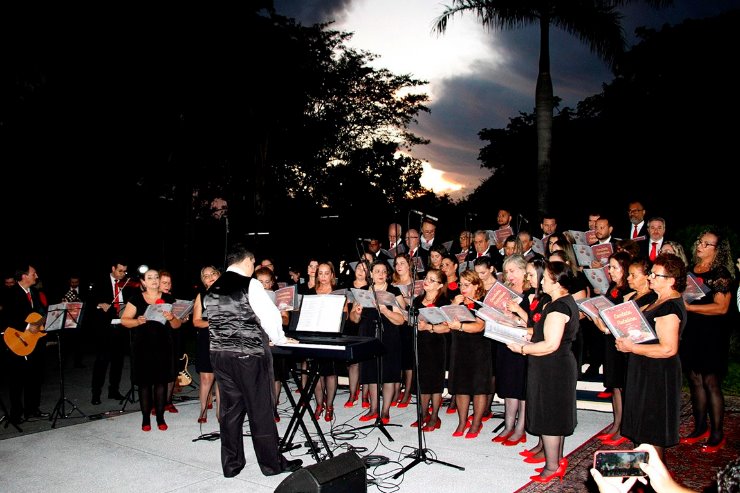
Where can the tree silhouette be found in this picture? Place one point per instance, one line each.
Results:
(596, 23)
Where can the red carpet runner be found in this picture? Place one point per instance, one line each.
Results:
(691, 467)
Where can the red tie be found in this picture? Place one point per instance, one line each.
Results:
(653, 251)
(480, 254)
(116, 303)
(30, 300)
(634, 232)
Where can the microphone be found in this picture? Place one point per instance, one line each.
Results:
(424, 215)
(523, 218)
(329, 217)
(364, 239)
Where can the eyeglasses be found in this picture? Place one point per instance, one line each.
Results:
(635, 211)
(412, 237)
(705, 244)
(431, 280)
(654, 275)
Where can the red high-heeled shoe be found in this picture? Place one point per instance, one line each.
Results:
(711, 449)
(369, 417)
(404, 403)
(352, 399)
(527, 453)
(365, 403)
(474, 434)
(162, 426)
(318, 411)
(424, 421)
(146, 427)
(559, 473)
(511, 443)
(502, 437)
(202, 419)
(689, 440)
(615, 442)
(605, 436)
(458, 433)
(385, 420)
(486, 416)
(329, 414)
(435, 426)
(534, 460)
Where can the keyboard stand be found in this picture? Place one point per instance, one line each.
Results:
(300, 409)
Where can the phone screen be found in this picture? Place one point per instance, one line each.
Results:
(619, 463)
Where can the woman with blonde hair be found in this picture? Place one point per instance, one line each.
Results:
(208, 276)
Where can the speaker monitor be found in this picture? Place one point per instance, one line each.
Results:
(343, 473)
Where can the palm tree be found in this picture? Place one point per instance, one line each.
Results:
(594, 22)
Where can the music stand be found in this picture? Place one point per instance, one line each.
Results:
(59, 317)
(420, 453)
(378, 362)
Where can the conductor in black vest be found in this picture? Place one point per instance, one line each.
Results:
(243, 320)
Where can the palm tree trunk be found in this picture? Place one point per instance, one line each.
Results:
(544, 113)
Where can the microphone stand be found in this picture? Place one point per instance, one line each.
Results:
(420, 453)
(378, 362)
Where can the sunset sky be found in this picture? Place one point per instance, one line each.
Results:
(477, 79)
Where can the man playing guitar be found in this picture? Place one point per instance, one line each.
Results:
(27, 371)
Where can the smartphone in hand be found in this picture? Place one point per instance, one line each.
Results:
(620, 463)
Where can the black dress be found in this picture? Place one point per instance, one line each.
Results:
(652, 392)
(615, 362)
(470, 363)
(551, 379)
(699, 353)
(152, 346)
(511, 368)
(391, 339)
(203, 343)
(432, 353)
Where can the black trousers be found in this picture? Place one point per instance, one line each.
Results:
(245, 384)
(25, 376)
(112, 342)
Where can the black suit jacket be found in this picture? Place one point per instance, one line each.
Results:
(643, 231)
(16, 307)
(102, 291)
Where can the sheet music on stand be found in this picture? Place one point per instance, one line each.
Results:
(321, 313)
(63, 315)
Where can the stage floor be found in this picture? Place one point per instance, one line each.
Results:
(111, 453)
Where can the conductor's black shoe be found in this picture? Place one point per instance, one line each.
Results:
(95, 400)
(293, 465)
(290, 466)
(114, 394)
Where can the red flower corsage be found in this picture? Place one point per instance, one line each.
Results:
(453, 286)
(159, 301)
(700, 280)
(614, 293)
(534, 304)
(470, 306)
(536, 317)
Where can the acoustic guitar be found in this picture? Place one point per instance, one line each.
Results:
(183, 378)
(24, 342)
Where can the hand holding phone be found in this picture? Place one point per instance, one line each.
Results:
(620, 463)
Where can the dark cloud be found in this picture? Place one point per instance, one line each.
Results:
(312, 11)
(489, 95)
